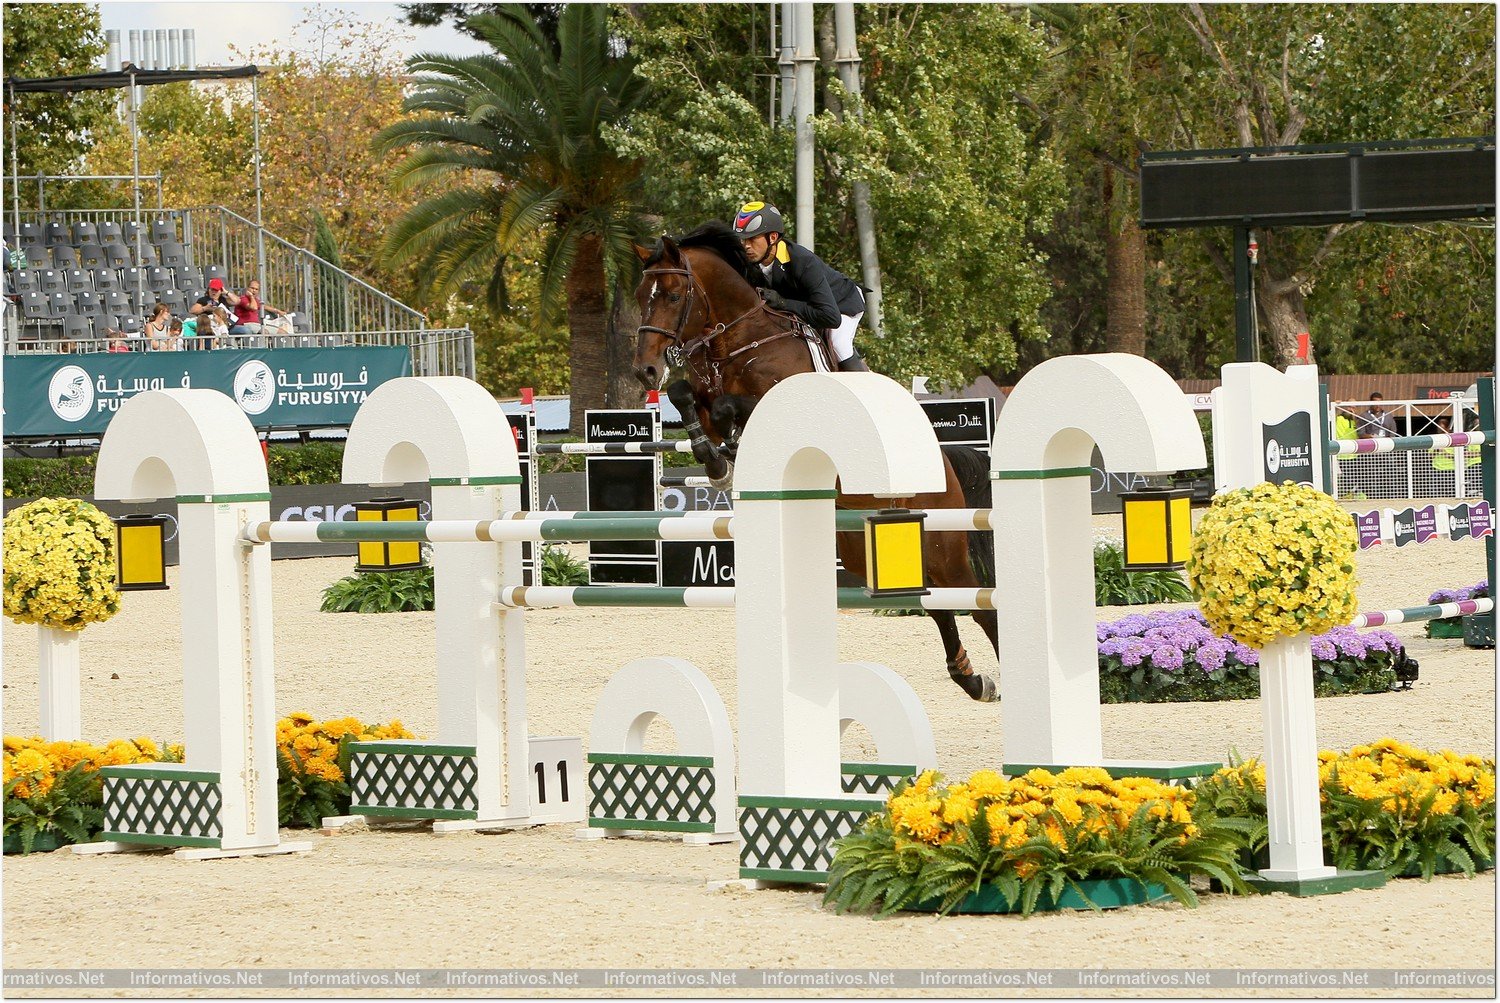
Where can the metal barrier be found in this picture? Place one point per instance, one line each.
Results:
(1408, 474)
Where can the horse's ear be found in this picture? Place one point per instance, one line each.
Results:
(668, 246)
(644, 253)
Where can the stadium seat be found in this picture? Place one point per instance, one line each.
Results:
(106, 278)
(78, 278)
(189, 277)
(51, 280)
(147, 256)
(27, 280)
(117, 255)
(58, 303)
(131, 324)
(33, 243)
(174, 300)
(92, 256)
(128, 231)
(211, 272)
(64, 256)
(77, 327)
(84, 232)
(111, 233)
(117, 302)
(102, 324)
(159, 278)
(163, 229)
(86, 302)
(172, 254)
(29, 231)
(56, 233)
(35, 305)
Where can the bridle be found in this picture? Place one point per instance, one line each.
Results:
(681, 352)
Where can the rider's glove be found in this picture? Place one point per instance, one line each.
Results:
(772, 298)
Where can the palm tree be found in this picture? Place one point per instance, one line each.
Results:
(515, 138)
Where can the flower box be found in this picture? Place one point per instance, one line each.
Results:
(1479, 630)
(1448, 628)
(45, 842)
(1105, 893)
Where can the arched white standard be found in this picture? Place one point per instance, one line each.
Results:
(889, 709)
(1040, 462)
(197, 446)
(690, 790)
(451, 432)
(868, 432)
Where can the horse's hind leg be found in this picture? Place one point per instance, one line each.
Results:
(989, 622)
(977, 685)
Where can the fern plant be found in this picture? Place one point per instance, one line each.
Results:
(70, 810)
(559, 567)
(1114, 586)
(381, 592)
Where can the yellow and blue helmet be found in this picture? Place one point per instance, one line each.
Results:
(756, 218)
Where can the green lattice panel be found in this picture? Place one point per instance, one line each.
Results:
(651, 792)
(791, 839)
(160, 805)
(413, 780)
(877, 779)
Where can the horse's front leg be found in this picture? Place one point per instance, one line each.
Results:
(695, 414)
(727, 417)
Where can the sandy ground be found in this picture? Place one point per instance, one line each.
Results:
(538, 898)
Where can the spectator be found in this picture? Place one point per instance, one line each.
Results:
(158, 327)
(1377, 421)
(174, 337)
(1345, 427)
(249, 312)
(118, 342)
(217, 297)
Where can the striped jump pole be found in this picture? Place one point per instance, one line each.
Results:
(566, 527)
(1402, 443)
(615, 448)
(685, 481)
(720, 597)
(1386, 618)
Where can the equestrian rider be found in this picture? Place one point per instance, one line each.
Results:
(790, 277)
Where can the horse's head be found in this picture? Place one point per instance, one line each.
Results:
(673, 308)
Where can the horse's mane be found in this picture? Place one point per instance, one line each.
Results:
(716, 236)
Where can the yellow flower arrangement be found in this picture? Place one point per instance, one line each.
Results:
(1385, 805)
(60, 564)
(941, 842)
(1274, 561)
(310, 778)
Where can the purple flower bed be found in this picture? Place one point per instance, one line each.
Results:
(1479, 590)
(1172, 655)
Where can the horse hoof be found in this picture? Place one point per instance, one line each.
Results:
(723, 483)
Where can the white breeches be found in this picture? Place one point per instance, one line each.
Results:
(842, 336)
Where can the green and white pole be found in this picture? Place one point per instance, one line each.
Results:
(720, 597)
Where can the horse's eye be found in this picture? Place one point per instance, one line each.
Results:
(674, 297)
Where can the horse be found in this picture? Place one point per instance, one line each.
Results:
(699, 313)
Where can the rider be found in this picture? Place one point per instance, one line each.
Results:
(794, 279)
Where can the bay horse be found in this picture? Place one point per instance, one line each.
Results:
(700, 314)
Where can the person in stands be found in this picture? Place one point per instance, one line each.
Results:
(790, 277)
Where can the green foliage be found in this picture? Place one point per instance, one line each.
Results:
(559, 567)
(1114, 586)
(304, 800)
(308, 463)
(958, 190)
(53, 131)
(332, 307)
(50, 477)
(1145, 683)
(513, 139)
(1418, 833)
(72, 809)
(381, 592)
(878, 869)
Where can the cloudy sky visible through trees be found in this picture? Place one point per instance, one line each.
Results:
(251, 25)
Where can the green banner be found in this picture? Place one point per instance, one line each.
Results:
(57, 396)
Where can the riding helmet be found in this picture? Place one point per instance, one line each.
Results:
(756, 218)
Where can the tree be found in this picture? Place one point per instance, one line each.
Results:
(517, 138)
(959, 186)
(53, 131)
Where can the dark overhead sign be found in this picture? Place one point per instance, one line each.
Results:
(1319, 187)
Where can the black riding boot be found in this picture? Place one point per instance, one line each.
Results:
(853, 364)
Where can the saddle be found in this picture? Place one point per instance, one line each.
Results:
(817, 338)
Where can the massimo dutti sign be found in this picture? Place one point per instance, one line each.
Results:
(66, 396)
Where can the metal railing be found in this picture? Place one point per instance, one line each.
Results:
(1430, 473)
(434, 351)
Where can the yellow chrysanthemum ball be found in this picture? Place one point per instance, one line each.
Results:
(1275, 560)
(60, 564)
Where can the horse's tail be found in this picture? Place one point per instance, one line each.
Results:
(972, 468)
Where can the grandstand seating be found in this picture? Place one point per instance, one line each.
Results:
(88, 277)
